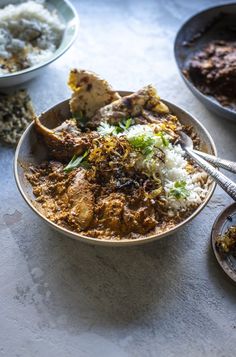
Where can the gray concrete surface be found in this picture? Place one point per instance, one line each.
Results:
(62, 298)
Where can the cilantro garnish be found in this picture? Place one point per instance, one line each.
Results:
(165, 141)
(105, 129)
(142, 142)
(108, 129)
(126, 124)
(75, 162)
(179, 190)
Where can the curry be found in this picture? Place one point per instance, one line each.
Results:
(115, 169)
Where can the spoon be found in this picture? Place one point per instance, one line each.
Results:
(216, 161)
(228, 185)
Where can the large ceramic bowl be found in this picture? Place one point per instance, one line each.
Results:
(70, 19)
(30, 150)
(216, 23)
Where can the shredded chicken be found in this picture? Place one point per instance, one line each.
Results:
(81, 198)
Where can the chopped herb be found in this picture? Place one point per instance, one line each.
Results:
(117, 130)
(108, 129)
(179, 190)
(75, 162)
(142, 142)
(86, 165)
(126, 124)
(165, 141)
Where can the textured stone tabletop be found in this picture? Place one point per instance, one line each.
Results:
(59, 297)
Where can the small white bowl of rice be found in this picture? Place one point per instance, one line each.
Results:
(33, 33)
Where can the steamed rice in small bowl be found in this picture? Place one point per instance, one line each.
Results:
(29, 34)
(33, 33)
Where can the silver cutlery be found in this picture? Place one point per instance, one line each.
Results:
(228, 185)
(216, 161)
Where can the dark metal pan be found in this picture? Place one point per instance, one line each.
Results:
(216, 23)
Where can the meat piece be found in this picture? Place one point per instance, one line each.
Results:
(81, 198)
(137, 105)
(90, 93)
(113, 213)
(213, 71)
(110, 210)
(65, 140)
(141, 220)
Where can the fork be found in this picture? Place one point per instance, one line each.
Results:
(228, 185)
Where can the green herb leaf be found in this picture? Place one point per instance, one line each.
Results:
(86, 165)
(75, 162)
(126, 124)
(142, 142)
(117, 130)
(106, 129)
(165, 141)
(179, 190)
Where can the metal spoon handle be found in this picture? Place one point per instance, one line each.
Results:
(228, 185)
(216, 161)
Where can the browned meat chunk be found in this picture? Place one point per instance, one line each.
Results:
(114, 214)
(82, 201)
(141, 220)
(141, 105)
(65, 140)
(110, 210)
(213, 71)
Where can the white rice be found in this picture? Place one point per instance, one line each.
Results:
(20, 23)
(172, 170)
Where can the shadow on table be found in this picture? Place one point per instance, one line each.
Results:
(114, 286)
(219, 278)
(80, 286)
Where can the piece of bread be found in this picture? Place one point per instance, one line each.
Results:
(90, 93)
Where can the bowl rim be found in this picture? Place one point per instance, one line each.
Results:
(113, 242)
(59, 51)
(208, 98)
(219, 222)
